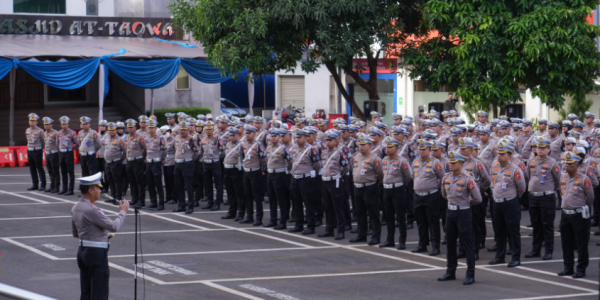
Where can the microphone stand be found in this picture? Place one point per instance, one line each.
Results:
(137, 212)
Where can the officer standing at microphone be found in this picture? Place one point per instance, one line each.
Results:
(91, 226)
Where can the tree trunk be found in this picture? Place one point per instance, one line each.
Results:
(495, 110)
(338, 82)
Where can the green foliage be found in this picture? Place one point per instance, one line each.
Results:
(192, 111)
(536, 125)
(270, 35)
(485, 49)
(576, 107)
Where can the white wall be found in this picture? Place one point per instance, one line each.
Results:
(316, 89)
(106, 8)
(76, 7)
(6, 6)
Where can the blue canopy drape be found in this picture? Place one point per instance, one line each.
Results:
(66, 75)
(202, 71)
(5, 66)
(150, 74)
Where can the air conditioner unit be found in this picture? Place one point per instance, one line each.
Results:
(92, 7)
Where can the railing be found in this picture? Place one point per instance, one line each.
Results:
(9, 292)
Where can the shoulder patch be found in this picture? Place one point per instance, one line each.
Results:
(556, 169)
(439, 166)
(480, 167)
(518, 175)
(588, 183)
(471, 185)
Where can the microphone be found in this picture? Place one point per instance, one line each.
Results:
(110, 199)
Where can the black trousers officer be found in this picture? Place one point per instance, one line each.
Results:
(198, 182)
(137, 179)
(89, 164)
(278, 185)
(114, 172)
(213, 173)
(348, 186)
(542, 213)
(459, 223)
(254, 190)
(154, 180)
(67, 169)
(575, 232)
(427, 213)
(93, 273)
(319, 207)
(184, 176)
(333, 203)
(36, 168)
(234, 182)
(410, 211)
(169, 175)
(53, 171)
(102, 168)
(507, 216)
(367, 201)
(396, 202)
(596, 210)
(124, 178)
(302, 191)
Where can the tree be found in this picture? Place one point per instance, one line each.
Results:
(270, 35)
(485, 49)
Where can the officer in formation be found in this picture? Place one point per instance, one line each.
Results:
(51, 147)
(308, 171)
(35, 154)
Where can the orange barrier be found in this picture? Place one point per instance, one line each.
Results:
(22, 156)
(7, 157)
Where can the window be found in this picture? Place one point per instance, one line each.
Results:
(423, 86)
(183, 79)
(55, 94)
(40, 6)
(91, 7)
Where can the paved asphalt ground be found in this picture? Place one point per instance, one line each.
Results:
(200, 256)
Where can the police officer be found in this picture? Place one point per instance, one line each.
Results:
(428, 171)
(156, 151)
(234, 181)
(335, 163)
(508, 184)
(396, 176)
(306, 164)
(278, 179)
(544, 180)
(89, 144)
(67, 140)
(197, 135)
(578, 197)
(114, 147)
(171, 123)
(135, 145)
(35, 154)
(169, 165)
(185, 148)
(101, 162)
(91, 226)
(51, 147)
(143, 131)
(255, 163)
(462, 193)
(211, 151)
(125, 180)
(367, 174)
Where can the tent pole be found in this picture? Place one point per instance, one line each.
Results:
(101, 84)
(11, 122)
(151, 101)
(265, 92)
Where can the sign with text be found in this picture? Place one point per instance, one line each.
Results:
(89, 26)
(383, 65)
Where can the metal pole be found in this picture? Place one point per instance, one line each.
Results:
(101, 84)
(136, 253)
(11, 122)
(265, 92)
(151, 101)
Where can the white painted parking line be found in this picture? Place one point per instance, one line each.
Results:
(34, 218)
(222, 252)
(555, 297)
(117, 234)
(18, 204)
(54, 247)
(536, 279)
(554, 274)
(310, 276)
(153, 269)
(171, 267)
(250, 232)
(354, 248)
(57, 198)
(267, 292)
(174, 221)
(24, 197)
(228, 290)
(34, 250)
(132, 272)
